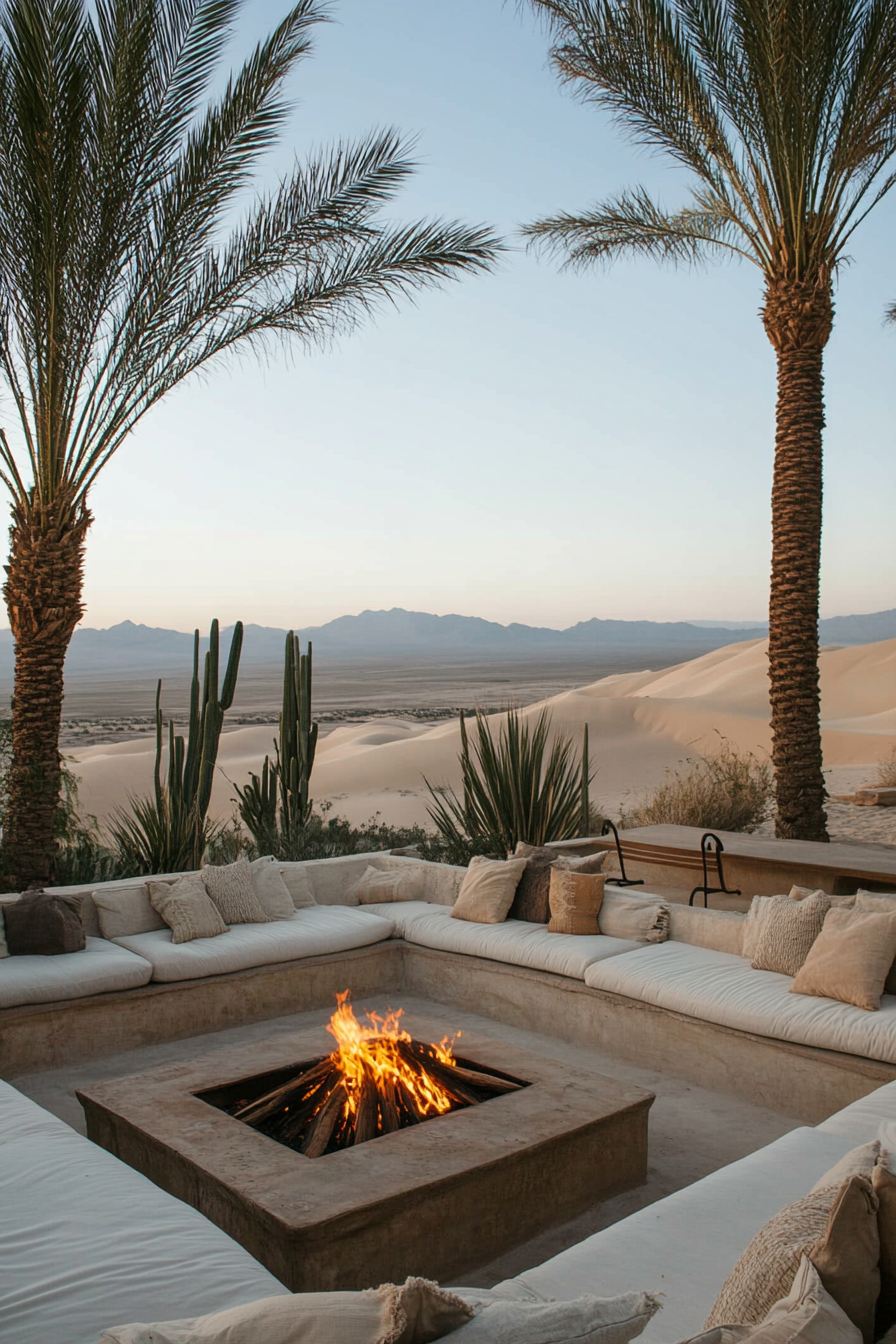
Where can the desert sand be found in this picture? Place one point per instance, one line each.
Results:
(640, 725)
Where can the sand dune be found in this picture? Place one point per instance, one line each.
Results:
(640, 724)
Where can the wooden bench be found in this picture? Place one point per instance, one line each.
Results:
(707, 861)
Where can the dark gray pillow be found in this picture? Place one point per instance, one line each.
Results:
(44, 924)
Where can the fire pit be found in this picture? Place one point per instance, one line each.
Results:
(438, 1196)
(377, 1081)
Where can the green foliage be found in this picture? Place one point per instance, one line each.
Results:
(322, 837)
(171, 830)
(514, 788)
(460, 849)
(725, 790)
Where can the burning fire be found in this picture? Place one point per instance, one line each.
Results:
(369, 1053)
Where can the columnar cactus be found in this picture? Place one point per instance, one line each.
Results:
(298, 738)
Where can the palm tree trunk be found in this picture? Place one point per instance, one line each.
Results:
(43, 596)
(798, 318)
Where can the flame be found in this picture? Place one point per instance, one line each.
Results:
(369, 1052)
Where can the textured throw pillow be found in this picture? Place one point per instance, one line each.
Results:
(644, 919)
(487, 891)
(531, 901)
(835, 1227)
(230, 887)
(44, 924)
(575, 901)
(858, 1162)
(270, 890)
(883, 1181)
(414, 1313)
(807, 1315)
(583, 1320)
(850, 960)
(377, 885)
(787, 932)
(186, 908)
(125, 910)
(298, 884)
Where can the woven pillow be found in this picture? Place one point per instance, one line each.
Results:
(836, 1227)
(487, 891)
(807, 1315)
(186, 908)
(642, 919)
(851, 959)
(575, 901)
(230, 887)
(787, 932)
(270, 890)
(125, 910)
(45, 924)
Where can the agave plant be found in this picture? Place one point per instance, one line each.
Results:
(514, 787)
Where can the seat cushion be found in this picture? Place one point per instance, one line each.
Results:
(861, 1118)
(86, 1242)
(313, 932)
(718, 987)
(686, 1245)
(513, 942)
(98, 969)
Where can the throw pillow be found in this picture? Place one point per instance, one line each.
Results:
(5, 900)
(848, 1255)
(230, 887)
(414, 1313)
(298, 884)
(186, 908)
(125, 910)
(584, 1320)
(584, 863)
(44, 924)
(575, 901)
(807, 1315)
(850, 960)
(531, 901)
(787, 932)
(883, 1181)
(831, 1226)
(644, 919)
(377, 885)
(878, 903)
(270, 890)
(486, 893)
(858, 1162)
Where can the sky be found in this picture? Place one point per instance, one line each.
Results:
(530, 445)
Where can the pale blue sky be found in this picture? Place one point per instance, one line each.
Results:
(526, 446)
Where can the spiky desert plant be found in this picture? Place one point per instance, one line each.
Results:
(123, 159)
(783, 113)
(513, 786)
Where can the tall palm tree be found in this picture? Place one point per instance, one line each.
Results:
(783, 113)
(122, 167)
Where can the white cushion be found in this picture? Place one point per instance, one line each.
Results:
(402, 914)
(86, 1241)
(860, 1120)
(513, 942)
(100, 968)
(685, 1246)
(718, 987)
(310, 933)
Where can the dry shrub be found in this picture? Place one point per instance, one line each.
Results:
(725, 790)
(886, 770)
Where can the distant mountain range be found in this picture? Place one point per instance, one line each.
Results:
(400, 634)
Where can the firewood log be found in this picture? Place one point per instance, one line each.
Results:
(321, 1129)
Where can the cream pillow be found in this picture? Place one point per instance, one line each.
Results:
(270, 890)
(414, 1313)
(850, 960)
(186, 908)
(126, 910)
(487, 891)
(386, 885)
(644, 919)
(582, 1320)
(787, 932)
(807, 1315)
(230, 887)
(837, 902)
(575, 900)
(298, 884)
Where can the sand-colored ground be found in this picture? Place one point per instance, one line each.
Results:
(640, 724)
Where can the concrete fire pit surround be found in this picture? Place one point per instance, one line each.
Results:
(437, 1199)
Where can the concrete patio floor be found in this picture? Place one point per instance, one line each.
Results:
(693, 1131)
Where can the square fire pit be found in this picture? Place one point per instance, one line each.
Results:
(438, 1199)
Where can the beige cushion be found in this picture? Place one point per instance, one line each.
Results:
(878, 903)
(719, 930)
(824, 1225)
(298, 884)
(124, 910)
(186, 908)
(487, 891)
(807, 1315)
(270, 890)
(412, 1314)
(848, 1256)
(384, 886)
(230, 887)
(787, 932)
(575, 901)
(884, 1183)
(850, 959)
(837, 902)
(645, 919)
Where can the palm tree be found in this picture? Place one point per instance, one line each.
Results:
(122, 272)
(783, 114)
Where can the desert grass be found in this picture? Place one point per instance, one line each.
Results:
(724, 790)
(886, 770)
